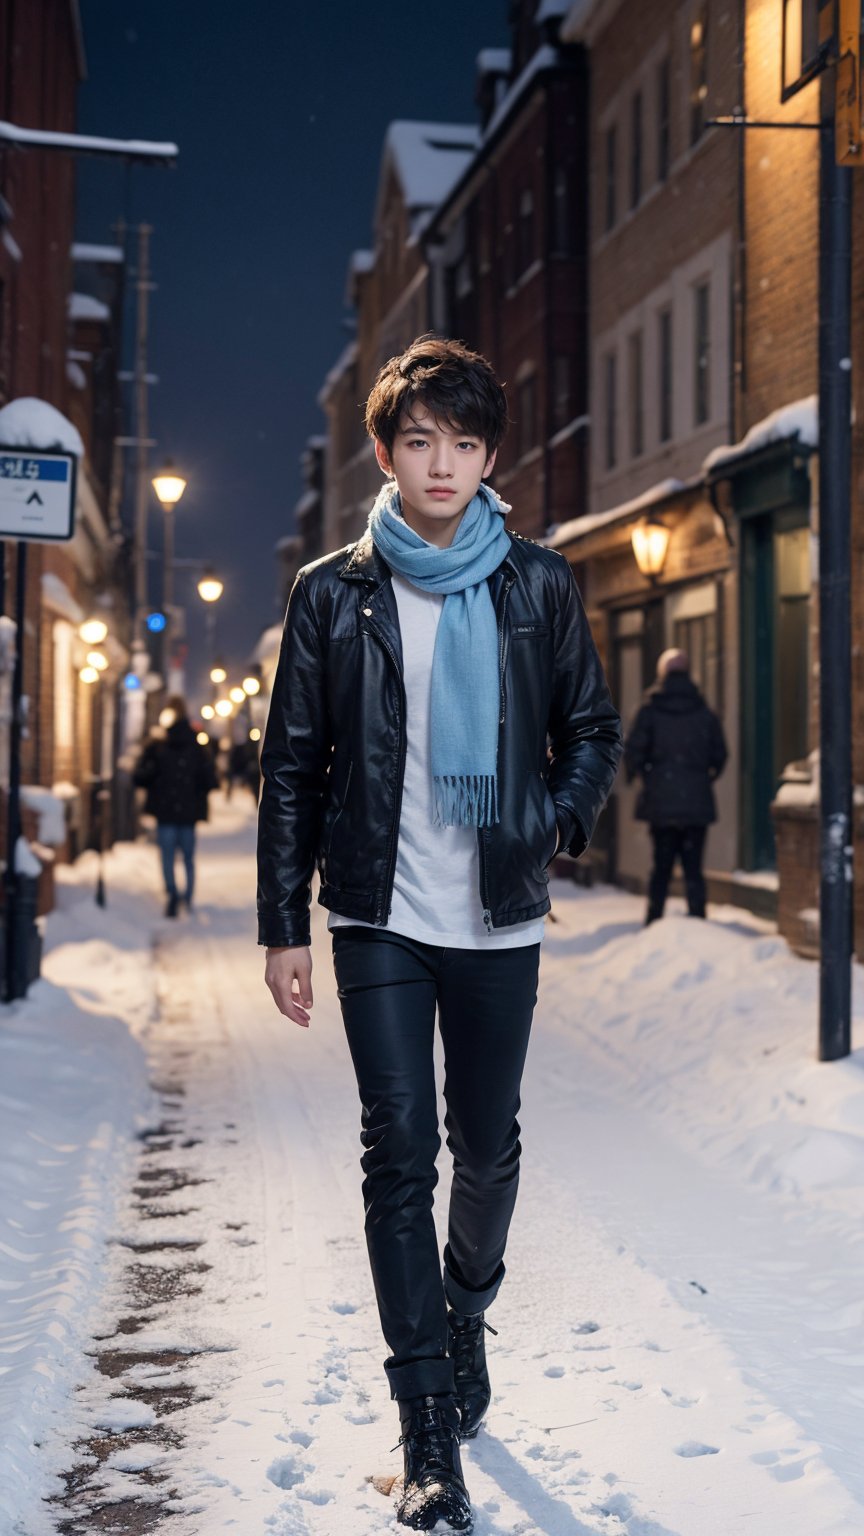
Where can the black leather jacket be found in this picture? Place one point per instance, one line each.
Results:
(334, 749)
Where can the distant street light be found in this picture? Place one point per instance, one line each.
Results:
(224, 708)
(251, 685)
(254, 734)
(168, 485)
(97, 659)
(202, 739)
(210, 588)
(93, 631)
(237, 695)
(218, 674)
(89, 675)
(207, 711)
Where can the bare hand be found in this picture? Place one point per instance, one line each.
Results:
(286, 969)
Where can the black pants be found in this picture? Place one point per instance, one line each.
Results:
(389, 987)
(670, 843)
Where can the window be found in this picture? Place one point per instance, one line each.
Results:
(637, 409)
(611, 177)
(664, 381)
(525, 232)
(527, 415)
(561, 241)
(636, 150)
(562, 390)
(610, 392)
(664, 92)
(698, 73)
(698, 637)
(702, 353)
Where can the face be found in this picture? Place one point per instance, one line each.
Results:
(437, 471)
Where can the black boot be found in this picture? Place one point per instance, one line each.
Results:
(171, 906)
(467, 1350)
(434, 1487)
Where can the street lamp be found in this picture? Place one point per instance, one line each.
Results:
(169, 487)
(251, 686)
(224, 708)
(237, 695)
(93, 631)
(650, 540)
(210, 588)
(218, 673)
(207, 711)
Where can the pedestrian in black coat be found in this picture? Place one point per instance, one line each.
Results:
(677, 746)
(178, 775)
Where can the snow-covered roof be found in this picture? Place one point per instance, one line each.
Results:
(578, 527)
(75, 374)
(494, 61)
(85, 143)
(83, 306)
(362, 261)
(31, 423)
(81, 251)
(429, 159)
(800, 419)
(545, 58)
(307, 503)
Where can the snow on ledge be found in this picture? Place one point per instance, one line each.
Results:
(579, 526)
(800, 419)
(86, 143)
(82, 306)
(50, 810)
(31, 423)
(82, 251)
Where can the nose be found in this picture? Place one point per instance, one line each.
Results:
(441, 467)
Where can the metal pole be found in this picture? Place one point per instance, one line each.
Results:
(142, 483)
(14, 970)
(835, 627)
(167, 590)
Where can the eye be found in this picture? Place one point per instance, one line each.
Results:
(417, 442)
(467, 444)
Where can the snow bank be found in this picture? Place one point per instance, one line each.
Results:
(82, 306)
(31, 423)
(74, 1088)
(82, 251)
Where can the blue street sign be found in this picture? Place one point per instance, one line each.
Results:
(37, 495)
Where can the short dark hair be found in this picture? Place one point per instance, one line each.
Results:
(457, 385)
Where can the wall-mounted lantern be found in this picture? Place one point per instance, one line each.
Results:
(650, 539)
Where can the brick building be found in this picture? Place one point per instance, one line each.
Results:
(60, 311)
(508, 253)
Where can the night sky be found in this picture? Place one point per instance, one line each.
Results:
(279, 111)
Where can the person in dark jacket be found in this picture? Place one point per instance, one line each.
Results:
(178, 775)
(677, 746)
(420, 672)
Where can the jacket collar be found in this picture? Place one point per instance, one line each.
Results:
(365, 563)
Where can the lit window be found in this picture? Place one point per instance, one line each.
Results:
(698, 73)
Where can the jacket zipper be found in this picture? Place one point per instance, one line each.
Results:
(394, 829)
(502, 662)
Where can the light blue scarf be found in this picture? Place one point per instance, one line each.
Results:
(465, 680)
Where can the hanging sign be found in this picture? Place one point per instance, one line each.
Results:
(37, 495)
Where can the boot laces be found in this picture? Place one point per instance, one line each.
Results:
(464, 1340)
(428, 1436)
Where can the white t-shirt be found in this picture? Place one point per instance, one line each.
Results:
(436, 889)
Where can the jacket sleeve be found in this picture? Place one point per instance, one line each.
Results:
(638, 746)
(294, 764)
(144, 771)
(584, 726)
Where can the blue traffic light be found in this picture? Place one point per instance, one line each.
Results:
(156, 623)
(131, 682)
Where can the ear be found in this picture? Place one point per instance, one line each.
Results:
(383, 457)
(490, 463)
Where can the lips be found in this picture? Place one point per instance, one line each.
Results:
(439, 490)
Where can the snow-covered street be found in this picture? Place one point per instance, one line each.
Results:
(187, 1322)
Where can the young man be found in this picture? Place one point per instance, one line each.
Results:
(424, 673)
(178, 776)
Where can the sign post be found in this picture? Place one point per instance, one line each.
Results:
(37, 505)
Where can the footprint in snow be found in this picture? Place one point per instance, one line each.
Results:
(586, 1328)
(316, 1495)
(286, 1472)
(344, 1308)
(554, 1370)
(680, 1401)
(696, 1448)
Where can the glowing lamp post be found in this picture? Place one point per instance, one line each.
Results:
(169, 487)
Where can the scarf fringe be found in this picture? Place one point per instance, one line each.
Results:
(465, 800)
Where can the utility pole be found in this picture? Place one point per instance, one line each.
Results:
(142, 483)
(835, 616)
